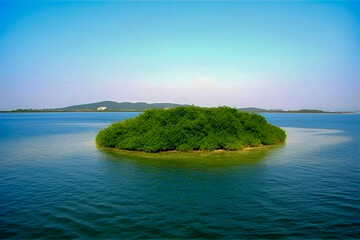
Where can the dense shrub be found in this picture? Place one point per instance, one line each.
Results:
(190, 128)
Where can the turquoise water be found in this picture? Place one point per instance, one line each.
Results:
(54, 183)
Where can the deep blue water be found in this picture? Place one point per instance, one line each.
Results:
(54, 183)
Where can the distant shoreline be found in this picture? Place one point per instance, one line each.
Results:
(112, 106)
(142, 110)
(62, 111)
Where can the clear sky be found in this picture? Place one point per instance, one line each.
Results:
(287, 55)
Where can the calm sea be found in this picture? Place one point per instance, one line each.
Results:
(55, 183)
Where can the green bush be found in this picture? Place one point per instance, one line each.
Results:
(190, 128)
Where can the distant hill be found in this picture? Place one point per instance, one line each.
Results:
(119, 106)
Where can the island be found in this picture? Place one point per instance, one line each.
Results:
(190, 128)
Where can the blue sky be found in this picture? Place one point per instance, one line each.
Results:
(287, 55)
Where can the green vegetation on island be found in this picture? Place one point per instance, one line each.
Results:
(190, 128)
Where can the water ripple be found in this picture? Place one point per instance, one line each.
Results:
(58, 185)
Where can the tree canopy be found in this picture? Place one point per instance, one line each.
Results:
(190, 128)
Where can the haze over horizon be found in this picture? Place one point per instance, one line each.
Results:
(272, 55)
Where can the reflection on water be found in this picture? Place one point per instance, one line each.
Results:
(196, 159)
(299, 141)
(312, 138)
